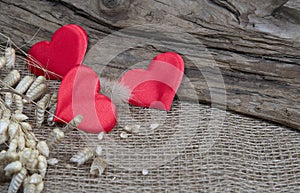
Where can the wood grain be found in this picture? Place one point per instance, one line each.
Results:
(255, 44)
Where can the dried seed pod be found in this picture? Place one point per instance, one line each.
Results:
(8, 98)
(31, 135)
(42, 165)
(6, 114)
(24, 84)
(2, 156)
(13, 168)
(82, 156)
(45, 100)
(28, 187)
(13, 145)
(36, 92)
(56, 137)
(40, 110)
(43, 148)
(35, 179)
(53, 100)
(51, 115)
(13, 130)
(25, 155)
(8, 156)
(39, 187)
(12, 78)
(30, 143)
(20, 116)
(98, 166)
(3, 139)
(3, 130)
(73, 123)
(4, 123)
(19, 103)
(2, 61)
(10, 55)
(39, 80)
(17, 180)
(52, 161)
(32, 162)
(26, 126)
(21, 141)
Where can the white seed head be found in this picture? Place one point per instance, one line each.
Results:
(56, 136)
(73, 123)
(4, 125)
(17, 180)
(21, 141)
(8, 98)
(39, 187)
(12, 168)
(52, 161)
(98, 166)
(53, 100)
(29, 188)
(30, 143)
(13, 129)
(19, 103)
(42, 165)
(39, 80)
(36, 92)
(82, 156)
(10, 55)
(12, 78)
(2, 61)
(26, 126)
(43, 148)
(11, 156)
(13, 145)
(6, 114)
(20, 116)
(24, 84)
(35, 179)
(25, 155)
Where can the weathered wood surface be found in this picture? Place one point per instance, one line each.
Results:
(256, 44)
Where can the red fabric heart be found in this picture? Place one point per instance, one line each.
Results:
(156, 86)
(79, 94)
(65, 51)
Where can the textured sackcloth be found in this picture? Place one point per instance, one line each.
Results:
(191, 150)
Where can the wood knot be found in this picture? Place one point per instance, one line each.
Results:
(111, 3)
(114, 9)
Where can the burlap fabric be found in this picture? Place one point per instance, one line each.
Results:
(185, 153)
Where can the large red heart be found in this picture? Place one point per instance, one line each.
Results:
(156, 86)
(65, 51)
(79, 94)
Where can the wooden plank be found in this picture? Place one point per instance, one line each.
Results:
(254, 44)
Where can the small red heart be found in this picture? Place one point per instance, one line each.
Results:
(156, 86)
(65, 51)
(79, 94)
